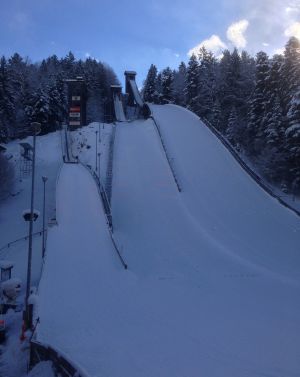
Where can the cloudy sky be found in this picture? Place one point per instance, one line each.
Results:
(133, 34)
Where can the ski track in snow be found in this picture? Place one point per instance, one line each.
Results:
(213, 282)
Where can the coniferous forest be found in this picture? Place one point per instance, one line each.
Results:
(37, 92)
(253, 101)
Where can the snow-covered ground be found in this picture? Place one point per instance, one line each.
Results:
(213, 282)
(14, 355)
(83, 144)
(12, 224)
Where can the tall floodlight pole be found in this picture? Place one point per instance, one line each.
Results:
(96, 150)
(99, 154)
(99, 132)
(36, 130)
(44, 207)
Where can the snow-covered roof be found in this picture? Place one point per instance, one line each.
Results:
(129, 73)
(6, 264)
(26, 146)
(26, 211)
(11, 283)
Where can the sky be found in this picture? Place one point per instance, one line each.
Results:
(132, 34)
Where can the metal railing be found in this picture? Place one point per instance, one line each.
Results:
(61, 362)
(8, 245)
(170, 163)
(109, 171)
(107, 211)
(246, 167)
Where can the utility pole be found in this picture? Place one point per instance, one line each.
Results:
(96, 150)
(36, 130)
(44, 207)
(99, 154)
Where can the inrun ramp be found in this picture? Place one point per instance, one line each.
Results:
(119, 111)
(136, 93)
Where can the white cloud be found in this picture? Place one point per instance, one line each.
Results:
(293, 9)
(213, 44)
(293, 30)
(266, 44)
(177, 55)
(279, 51)
(235, 33)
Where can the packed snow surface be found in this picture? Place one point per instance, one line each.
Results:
(136, 93)
(213, 282)
(120, 116)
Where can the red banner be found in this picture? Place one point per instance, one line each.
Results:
(75, 109)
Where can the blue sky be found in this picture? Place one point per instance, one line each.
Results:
(133, 34)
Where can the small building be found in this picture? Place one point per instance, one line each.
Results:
(6, 269)
(76, 102)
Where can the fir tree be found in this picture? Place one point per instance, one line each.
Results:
(206, 83)
(255, 127)
(292, 134)
(232, 128)
(149, 90)
(192, 83)
(179, 84)
(167, 85)
(39, 111)
(7, 109)
(290, 72)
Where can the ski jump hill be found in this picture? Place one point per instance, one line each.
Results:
(117, 103)
(134, 101)
(213, 284)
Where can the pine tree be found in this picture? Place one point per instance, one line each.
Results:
(39, 110)
(216, 114)
(232, 128)
(292, 134)
(255, 127)
(158, 87)
(167, 85)
(179, 84)
(149, 90)
(206, 83)
(290, 72)
(192, 83)
(7, 109)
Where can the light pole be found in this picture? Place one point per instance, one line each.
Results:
(96, 150)
(99, 154)
(44, 205)
(99, 132)
(36, 130)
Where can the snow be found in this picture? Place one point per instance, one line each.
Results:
(136, 93)
(5, 264)
(83, 145)
(294, 129)
(42, 369)
(10, 284)
(213, 281)
(12, 224)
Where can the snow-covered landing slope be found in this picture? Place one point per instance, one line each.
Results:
(207, 311)
(191, 303)
(224, 200)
